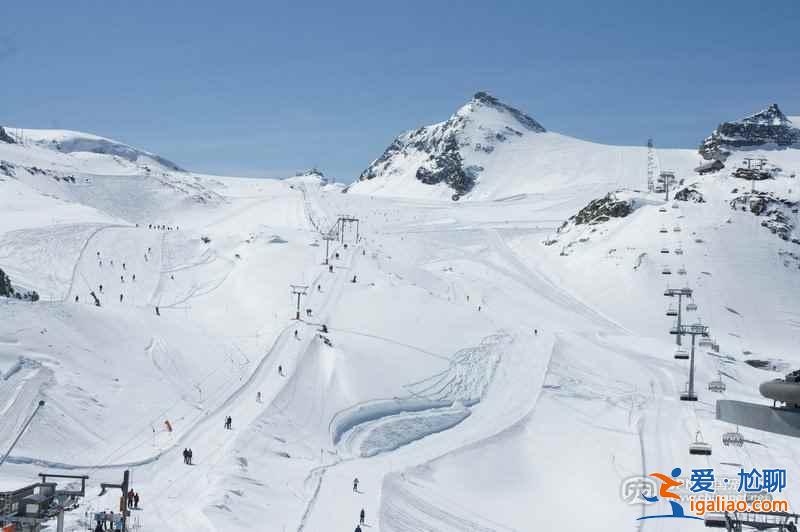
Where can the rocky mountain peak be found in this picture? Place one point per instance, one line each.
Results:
(451, 152)
(768, 127)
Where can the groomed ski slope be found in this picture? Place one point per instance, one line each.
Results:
(435, 391)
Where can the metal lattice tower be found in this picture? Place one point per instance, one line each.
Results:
(652, 166)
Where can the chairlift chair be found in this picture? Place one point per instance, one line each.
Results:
(681, 271)
(734, 439)
(700, 447)
(663, 230)
(666, 271)
(672, 310)
(681, 353)
(664, 250)
(691, 306)
(662, 209)
(674, 205)
(705, 341)
(717, 385)
(679, 251)
(677, 229)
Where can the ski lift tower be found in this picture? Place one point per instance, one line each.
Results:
(680, 293)
(328, 237)
(693, 330)
(755, 165)
(652, 166)
(298, 290)
(667, 178)
(349, 220)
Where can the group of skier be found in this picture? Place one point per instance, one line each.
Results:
(94, 295)
(187, 456)
(362, 516)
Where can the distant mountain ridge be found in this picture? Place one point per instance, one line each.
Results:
(66, 141)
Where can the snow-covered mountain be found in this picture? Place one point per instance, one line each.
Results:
(75, 142)
(490, 150)
(766, 129)
(452, 151)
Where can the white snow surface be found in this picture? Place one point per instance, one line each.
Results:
(435, 391)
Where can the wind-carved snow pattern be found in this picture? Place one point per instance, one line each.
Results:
(434, 404)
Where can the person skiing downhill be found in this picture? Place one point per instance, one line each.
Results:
(258, 397)
(363, 515)
(355, 484)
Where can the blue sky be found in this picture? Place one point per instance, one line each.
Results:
(268, 88)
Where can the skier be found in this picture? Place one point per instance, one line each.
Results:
(324, 328)
(130, 499)
(98, 254)
(76, 299)
(258, 397)
(295, 333)
(363, 515)
(355, 484)
(121, 279)
(185, 455)
(536, 332)
(319, 288)
(330, 268)
(190, 457)
(101, 289)
(358, 528)
(136, 501)
(280, 370)
(354, 279)
(228, 422)
(112, 262)
(120, 298)
(172, 276)
(123, 265)
(157, 311)
(134, 277)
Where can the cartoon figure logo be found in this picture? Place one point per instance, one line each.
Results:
(667, 483)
